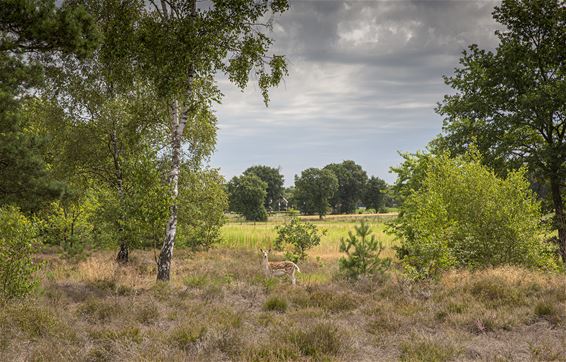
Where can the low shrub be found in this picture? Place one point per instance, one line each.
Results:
(329, 300)
(17, 235)
(319, 341)
(549, 311)
(147, 313)
(99, 311)
(301, 236)
(184, 336)
(276, 304)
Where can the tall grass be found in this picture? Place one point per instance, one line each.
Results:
(262, 235)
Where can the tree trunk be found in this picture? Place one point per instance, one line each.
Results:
(560, 217)
(164, 261)
(122, 256)
(178, 120)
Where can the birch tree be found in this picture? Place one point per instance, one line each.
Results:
(185, 47)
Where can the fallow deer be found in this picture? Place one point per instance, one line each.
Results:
(278, 268)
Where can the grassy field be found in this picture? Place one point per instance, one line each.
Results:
(249, 235)
(220, 307)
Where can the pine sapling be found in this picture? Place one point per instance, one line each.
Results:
(362, 253)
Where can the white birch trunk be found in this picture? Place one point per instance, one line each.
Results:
(179, 121)
(164, 261)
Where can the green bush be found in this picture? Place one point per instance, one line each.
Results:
(67, 223)
(202, 203)
(300, 235)
(17, 268)
(362, 253)
(463, 215)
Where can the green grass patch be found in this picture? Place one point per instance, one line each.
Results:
(276, 304)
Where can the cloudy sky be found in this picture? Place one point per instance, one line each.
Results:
(364, 78)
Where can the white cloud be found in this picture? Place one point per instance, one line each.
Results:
(364, 79)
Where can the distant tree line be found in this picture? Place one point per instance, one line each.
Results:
(339, 188)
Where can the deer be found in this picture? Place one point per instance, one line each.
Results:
(279, 268)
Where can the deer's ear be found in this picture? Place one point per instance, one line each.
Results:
(269, 251)
(260, 249)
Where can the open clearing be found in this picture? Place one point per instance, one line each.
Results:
(220, 307)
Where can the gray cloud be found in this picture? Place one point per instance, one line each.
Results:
(364, 78)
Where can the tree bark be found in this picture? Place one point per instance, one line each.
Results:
(560, 217)
(179, 120)
(164, 260)
(123, 254)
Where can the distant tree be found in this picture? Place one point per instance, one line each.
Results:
(351, 183)
(314, 189)
(247, 196)
(511, 102)
(289, 195)
(374, 196)
(274, 179)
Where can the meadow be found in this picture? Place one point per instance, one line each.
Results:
(220, 307)
(250, 235)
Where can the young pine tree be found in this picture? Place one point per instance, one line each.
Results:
(362, 253)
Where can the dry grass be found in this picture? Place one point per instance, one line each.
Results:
(220, 307)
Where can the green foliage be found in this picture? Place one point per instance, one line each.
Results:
(227, 38)
(374, 195)
(362, 253)
(411, 173)
(25, 179)
(247, 196)
(464, 215)
(17, 235)
(27, 27)
(108, 130)
(202, 203)
(40, 25)
(314, 189)
(300, 235)
(274, 180)
(511, 102)
(68, 223)
(145, 205)
(351, 184)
